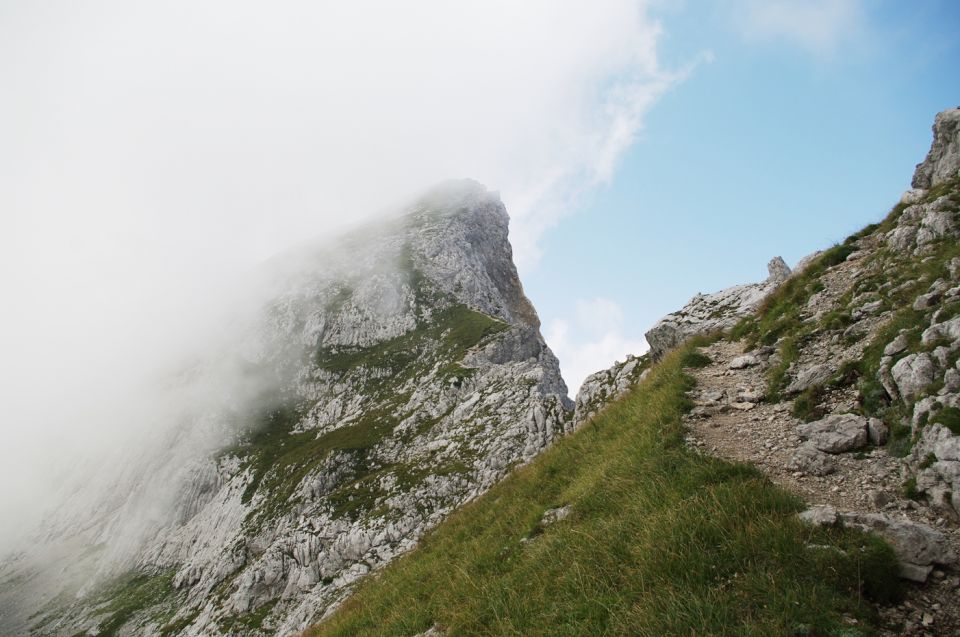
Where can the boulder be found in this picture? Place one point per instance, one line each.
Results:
(902, 238)
(897, 345)
(926, 301)
(912, 374)
(917, 546)
(810, 460)
(744, 361)
(870, 308)
(946, 331)
(877, 431)
(936, 224)
(808, 377)
(819, 515)
(551, 516)
(836, 433)
(912, 196)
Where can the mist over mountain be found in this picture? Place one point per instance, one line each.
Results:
(444, 319)
(390, 376)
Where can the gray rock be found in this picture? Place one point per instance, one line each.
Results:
(808, 377)
(917, 546)
(867, 309)
(912, 196)
(810, 460)
(750, 396)
(926, 301)
(948, 331)
(600, 388)
(878, 431)
(943, 160)
(897, 345)
(706, 313)
(886, 377)
(777, 269)
(951, 382)
(819, 515)
(744, 361)
(551, 516)
(902, 238)
(912, 374)
(711, 396)
(936, 224)
(836, 433)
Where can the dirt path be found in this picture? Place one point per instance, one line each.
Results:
(730, 420)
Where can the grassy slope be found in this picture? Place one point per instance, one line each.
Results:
(661, 541)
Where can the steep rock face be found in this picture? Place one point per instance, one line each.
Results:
(711, 312)
(407, 375)
(943, 160)
(604, 386)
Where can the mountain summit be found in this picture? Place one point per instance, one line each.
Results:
(406, 375)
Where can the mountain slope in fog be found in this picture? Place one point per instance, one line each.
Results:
(392, 376)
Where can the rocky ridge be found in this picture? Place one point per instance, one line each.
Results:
(844, 385)
(407, 375)
(714, 312)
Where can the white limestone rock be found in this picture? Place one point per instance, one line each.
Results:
(917, 546)
(721, 310)
(836, 433)
(943, 160)
(912, 374)
(601, 387)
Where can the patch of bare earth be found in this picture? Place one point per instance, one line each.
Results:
(730, 420)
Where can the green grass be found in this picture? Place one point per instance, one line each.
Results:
(455, 329)
(661, 541)
(949, 417)
(808, 405)
(128, 595)
(695, 359)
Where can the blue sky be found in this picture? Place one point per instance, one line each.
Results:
(790, 137)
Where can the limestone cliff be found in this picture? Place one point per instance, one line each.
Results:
(407, 374)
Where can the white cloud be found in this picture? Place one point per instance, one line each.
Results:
(820, 26)
(149, 151)
(591, 340)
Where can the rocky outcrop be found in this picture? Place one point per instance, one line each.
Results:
(917, 546)
(943, 160)
(707, 313)
(836, 433)
(407, 375)
(601, 387)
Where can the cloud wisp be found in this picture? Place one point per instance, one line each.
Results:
(821, 27)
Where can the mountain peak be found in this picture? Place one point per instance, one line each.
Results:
(943, 160)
